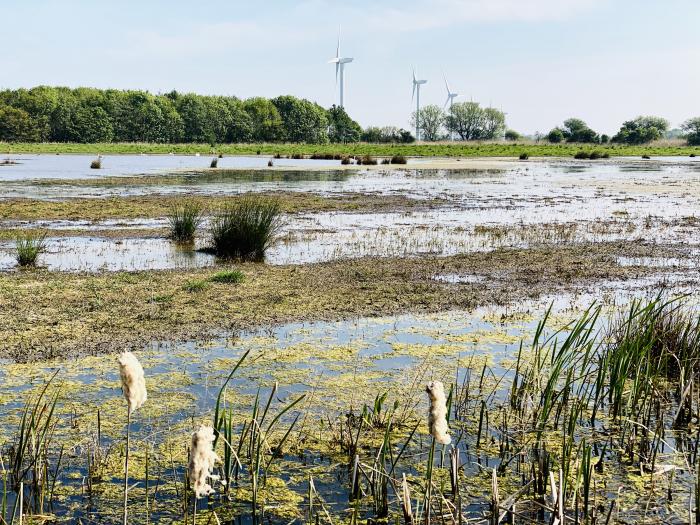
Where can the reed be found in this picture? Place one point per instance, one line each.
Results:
(184, 220)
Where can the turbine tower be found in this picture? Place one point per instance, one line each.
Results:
(450, 100)
(340, 68)
(416, 94)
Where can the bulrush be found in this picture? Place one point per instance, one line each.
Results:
(134, 389)
(202, 461)
(437, 415)
(133, 382)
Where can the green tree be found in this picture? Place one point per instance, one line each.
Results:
(691, 127)
(91, 125)
(641, 130)
(576, 130)
(494, 124)
(466, 119)
(303, 121)
(266, 122)
(432, 118)
(512, 135)
(17, 126)
(555, 136)
(341, 128)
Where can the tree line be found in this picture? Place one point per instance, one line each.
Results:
(87, 115)
(641, 130)
(465, 120)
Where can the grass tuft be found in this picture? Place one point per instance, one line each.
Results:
(524, 156)
(184, 219)
(28, 247)
(246, 228)
(228, 277)
(399, 159)
(195, 285)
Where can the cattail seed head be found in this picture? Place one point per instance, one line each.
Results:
(437, 415)
(202, 461)
(133, 381)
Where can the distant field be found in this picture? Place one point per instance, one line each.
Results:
(413, 150)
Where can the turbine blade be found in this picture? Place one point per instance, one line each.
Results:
(414, 75)
(413, 94)
(447, 86)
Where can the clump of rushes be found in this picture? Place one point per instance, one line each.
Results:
(227, 277)
(246, 228)
(184, 219)
(524, 156)
(214, 162)
(28, 247)
(398, 159)
(345, 161)
(367, 160)
(134, 389)
(97, 163)
(581, 155)
(437, 414)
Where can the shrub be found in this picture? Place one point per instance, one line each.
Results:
(246, 228)
(398, 159)
(555, 136)
(228, 277)
(524, 156)
(28, 247)
(582, 155)
(214, 162)
(512, 135)
(184, 219)
(96, 164)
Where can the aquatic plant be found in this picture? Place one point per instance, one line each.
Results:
(28, 247)
(246, 228)
(437, 421)
(202, 461)
(228, 277)
(134, 390)
(184, 220)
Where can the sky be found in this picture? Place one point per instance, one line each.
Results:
(540, 61)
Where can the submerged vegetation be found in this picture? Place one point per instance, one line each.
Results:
(246, 228)
(604, 404)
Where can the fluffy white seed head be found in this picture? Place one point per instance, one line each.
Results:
(437, 415)
(202, 461)
(133, 381)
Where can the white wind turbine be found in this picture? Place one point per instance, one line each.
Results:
(450, 99)
(416, 94)
(340, 68)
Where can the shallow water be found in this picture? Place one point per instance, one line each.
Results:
(67, 167)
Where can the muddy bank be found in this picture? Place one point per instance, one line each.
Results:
(50, 314)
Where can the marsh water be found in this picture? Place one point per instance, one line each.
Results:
(341, 367)
(520, 205)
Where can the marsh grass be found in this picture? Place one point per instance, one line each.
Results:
(246, 228)
(28, 247)
(184, 220)
(228, 277)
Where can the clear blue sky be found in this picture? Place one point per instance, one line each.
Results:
(540, 60)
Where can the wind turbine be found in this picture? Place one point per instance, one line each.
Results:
(450, 99)
(416, 94)
(340, 68)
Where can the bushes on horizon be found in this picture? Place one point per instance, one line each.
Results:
(512, 135)
(472, 122)
(555, 136)
(641, 130)
(573, 130)
(387, 135)
(691, 127)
